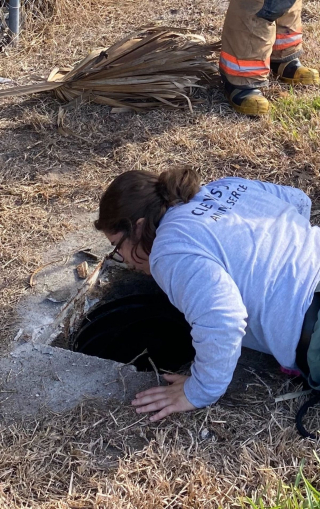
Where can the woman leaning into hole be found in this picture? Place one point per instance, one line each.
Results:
(237, 257)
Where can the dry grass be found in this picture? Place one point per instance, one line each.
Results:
(95, 458)
(47, 181)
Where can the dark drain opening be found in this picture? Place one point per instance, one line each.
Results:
(122, 329)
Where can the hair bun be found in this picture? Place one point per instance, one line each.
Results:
(177, 185)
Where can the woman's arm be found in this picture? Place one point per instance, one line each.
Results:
(212, 304)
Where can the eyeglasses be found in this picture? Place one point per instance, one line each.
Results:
(115, 255)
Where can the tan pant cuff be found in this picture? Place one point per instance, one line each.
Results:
(278, 59)
(244, 83)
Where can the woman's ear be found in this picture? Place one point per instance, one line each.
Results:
(139, 225)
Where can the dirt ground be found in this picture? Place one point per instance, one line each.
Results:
(49, 182)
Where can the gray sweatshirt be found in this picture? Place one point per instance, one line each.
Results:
(241, 261)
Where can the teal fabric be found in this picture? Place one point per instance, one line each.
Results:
(314, 354)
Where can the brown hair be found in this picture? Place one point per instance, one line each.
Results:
(142, 194)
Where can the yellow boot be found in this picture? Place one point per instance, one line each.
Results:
(248, 101)
(295, 73)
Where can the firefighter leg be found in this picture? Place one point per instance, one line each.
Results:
(247, 42)
(287, 48)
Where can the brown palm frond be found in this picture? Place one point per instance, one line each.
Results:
(155, 66)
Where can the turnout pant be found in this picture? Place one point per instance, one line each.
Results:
(255, 32)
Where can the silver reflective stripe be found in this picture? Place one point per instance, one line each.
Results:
(239, 68)
(294, 38)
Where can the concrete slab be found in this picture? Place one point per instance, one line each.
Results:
(36, 378)
(53, 308)
(58, 281)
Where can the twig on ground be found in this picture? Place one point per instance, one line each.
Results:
(31, 280)
(137, 357)
(132, 424)
(252, 371)
(8, 263)
(70, 485)
(155, 370)
(122, 378)
(113, 418)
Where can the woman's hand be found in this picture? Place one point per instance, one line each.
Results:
(167, 399)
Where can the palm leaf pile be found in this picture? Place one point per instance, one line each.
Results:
(153, 67)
